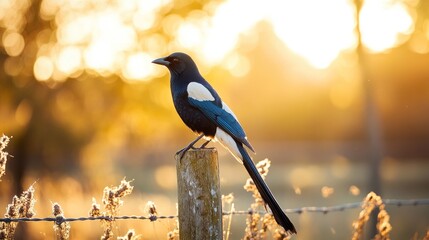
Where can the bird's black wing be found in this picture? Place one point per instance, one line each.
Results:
(222, 118)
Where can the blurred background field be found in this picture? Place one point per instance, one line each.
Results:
(330, 102)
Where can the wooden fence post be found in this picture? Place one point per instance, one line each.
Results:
(199, 198)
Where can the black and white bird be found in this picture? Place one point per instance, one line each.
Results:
(202, 110)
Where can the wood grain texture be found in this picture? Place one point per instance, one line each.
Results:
(199, 197)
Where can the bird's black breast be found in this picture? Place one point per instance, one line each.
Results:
(191, 116)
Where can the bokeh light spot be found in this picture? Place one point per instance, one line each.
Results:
(383, 22)
(327, 191)
(69, 60)
(43, 68)
(318, 33)
(137, 67)
(354, 190)
(13, 43)
(99, 56)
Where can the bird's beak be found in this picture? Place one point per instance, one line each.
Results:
(161, 61)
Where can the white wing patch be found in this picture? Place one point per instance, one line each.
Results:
(228, 142)
(198, 92)
(227, 109)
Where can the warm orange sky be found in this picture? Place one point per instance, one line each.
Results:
(121, 37)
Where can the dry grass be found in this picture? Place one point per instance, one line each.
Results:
(61, 228)
(4, 140)
(130, 235)
(227, 200)
(151, 210)
(427, 235)
(258, 226)
(21, 207)
(174, 234)
(371, 202)
(112, 200)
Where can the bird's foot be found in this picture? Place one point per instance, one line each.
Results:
(182, 152)
(205, 144)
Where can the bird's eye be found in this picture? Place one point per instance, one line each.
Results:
(175, 60)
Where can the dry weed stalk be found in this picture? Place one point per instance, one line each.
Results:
(372, 201)
(21, 207)
(4, 140)
(130, 235)
(227, 200)
(174, 234)
(427, 235)
(151, 210)
(112, 197)
(61, 227)
(112, 200)
(257, 226)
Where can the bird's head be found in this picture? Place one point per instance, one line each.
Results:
(177, 63)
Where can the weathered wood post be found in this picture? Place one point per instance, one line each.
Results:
(199, 198)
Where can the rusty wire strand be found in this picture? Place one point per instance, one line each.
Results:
(336, 208)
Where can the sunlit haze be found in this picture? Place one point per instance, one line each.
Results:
(333, 92)
(114, 38)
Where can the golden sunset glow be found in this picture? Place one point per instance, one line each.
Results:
(385, 24)
(319, 33)
(110, 38)
(100, 37)
(333, 92)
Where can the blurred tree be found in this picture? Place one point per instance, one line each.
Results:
(74, 77)
(62, 121)
(40, 142)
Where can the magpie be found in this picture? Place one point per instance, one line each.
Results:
(202, 110)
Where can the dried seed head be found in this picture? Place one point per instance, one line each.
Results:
(228, 198)
(354, 190)
(56, 209)
(130, 235)
(95, 209)
(327, 191)
(3, 233)
(174, 234)
(151, 208)
(12, 209)
(281, 234)
(249, 185)
(112, 196)
(61, 227)
(371, 201)
(124, 189)
(263, 167)
(4, 140)
(21, 207)
(108, 234)
(28, 201)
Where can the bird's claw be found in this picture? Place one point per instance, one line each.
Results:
(205, 144)
(182, 152)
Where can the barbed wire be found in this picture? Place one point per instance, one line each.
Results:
(336, 208)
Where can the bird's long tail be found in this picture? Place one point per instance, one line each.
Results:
(265, 192)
